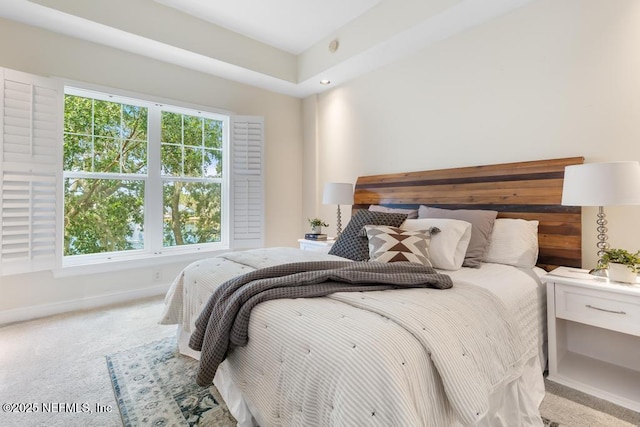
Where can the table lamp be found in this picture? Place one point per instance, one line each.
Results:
(602, 184)
(338, 193)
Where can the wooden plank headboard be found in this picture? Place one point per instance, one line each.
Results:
(527, 190)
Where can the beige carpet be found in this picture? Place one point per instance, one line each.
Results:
(573, 408)
(61, 359)
(60, 362)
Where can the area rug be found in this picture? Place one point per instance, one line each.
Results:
(155, 386)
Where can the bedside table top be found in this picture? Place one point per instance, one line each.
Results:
(328, 242)
(577, 276)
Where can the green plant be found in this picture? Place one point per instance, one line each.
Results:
(621, 256)
(317, 222)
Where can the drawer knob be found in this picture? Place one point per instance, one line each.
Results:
(604, 309)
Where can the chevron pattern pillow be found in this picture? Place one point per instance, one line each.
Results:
(391, 244)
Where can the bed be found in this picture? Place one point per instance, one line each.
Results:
(372, 358)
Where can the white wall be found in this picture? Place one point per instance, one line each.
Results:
(551, 79)
(40, 52)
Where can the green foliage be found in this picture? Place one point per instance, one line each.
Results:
(621, 256)
(317, 222)
(191, 213)
(107, 214)
(102, 215)
(103, 136)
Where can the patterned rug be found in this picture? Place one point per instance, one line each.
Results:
(155, 386)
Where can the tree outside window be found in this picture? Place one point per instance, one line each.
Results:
(191, 157)
(107, 177)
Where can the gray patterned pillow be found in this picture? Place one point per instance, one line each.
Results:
(391, 244)
(411, 213)
(352, 244)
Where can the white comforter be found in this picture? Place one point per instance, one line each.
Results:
(352, 359)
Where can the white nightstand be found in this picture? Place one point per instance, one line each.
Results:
(594, 335)
(316, 245)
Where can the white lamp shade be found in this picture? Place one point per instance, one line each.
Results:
(602, 184)
(337, 193)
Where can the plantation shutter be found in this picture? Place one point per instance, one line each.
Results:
(30, 172)
(247, 182)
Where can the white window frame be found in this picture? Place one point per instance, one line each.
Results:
(243, 201)
(153, 245)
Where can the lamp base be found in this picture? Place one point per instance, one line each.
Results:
(599, 272)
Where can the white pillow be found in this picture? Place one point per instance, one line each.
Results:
(513, 242)
(447, 248)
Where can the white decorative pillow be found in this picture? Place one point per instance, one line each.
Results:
(391, 244)
(481, 224)
(513, 242)
(447, 248)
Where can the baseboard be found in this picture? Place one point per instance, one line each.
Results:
(44, 310)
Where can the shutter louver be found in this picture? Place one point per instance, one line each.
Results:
(247, 182)
(31, 118)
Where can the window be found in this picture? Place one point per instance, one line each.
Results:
(105, 171)
(192, 164)
(112, 187)
(123, 178)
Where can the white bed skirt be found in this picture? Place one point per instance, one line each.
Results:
(506, 402)
(231, 394)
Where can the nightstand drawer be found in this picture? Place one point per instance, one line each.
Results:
(316, 245)
(598, 308)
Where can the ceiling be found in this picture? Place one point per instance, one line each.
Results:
(291, 25)
(278, 45)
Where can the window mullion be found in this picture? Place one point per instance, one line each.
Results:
(121, 139)
(153, 189)
(182, 142)
(93, 135)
